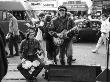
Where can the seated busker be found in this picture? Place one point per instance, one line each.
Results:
(30, 50)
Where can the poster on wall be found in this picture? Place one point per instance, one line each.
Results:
(45, 5)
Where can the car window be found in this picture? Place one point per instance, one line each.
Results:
(20, 15)
(31, 14)
(96, 24)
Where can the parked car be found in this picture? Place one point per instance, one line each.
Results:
(20, 9)
(89, 30)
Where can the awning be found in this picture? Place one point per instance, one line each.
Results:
(14, 5)
(77, 7)
(44, 8)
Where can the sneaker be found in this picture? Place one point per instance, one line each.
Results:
(94, 51)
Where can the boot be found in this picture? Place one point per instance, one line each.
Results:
(69, 60)
(96, 49)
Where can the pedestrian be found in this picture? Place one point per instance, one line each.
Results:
(47, 37)
(59, 26)
(40, 30)
(13, 34)
(31, 64)
(3, 59)
(105, 29)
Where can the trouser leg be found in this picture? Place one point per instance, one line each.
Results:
(54, 56)
(49, 49)
(24, 72)
(62, 55)
(98, 45)
(37, 71)
(11, 47)
(69, 53)
(16, 47)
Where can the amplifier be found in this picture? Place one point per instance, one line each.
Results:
(74, 73)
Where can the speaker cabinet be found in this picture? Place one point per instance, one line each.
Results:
(74, 73)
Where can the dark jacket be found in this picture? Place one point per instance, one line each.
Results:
(3, 60)
(61, 23)
(29, 46)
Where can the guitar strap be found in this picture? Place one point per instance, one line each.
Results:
(68, 23)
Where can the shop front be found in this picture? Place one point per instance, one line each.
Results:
(76, 8)
(45, 6)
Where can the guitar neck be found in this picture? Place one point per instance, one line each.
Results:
(70, 30)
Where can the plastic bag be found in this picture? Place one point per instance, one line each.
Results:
(39, 36)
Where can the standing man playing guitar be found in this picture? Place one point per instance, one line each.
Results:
(62, 32)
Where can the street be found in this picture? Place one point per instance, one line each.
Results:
(81, 51)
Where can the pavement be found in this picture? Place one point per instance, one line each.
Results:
(81, 51)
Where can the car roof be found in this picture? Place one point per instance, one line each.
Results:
(95, 20)
(79, 20)
(14, 5)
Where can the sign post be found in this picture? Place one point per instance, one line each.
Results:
(105, 75)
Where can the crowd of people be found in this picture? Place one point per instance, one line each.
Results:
(56, 31)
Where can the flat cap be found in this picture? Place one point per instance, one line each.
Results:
(62, 7)
(41, 14)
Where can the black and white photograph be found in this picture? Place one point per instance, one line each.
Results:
(54, 41)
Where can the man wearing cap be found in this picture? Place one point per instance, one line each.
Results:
(60, 23)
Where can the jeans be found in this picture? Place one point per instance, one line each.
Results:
(27, 75)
